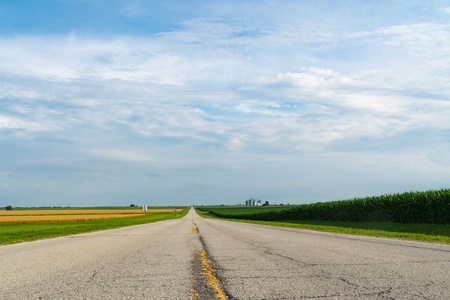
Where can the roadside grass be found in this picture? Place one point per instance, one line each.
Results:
(17, 233)
(417, 232)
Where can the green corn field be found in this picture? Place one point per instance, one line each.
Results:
(431, 207)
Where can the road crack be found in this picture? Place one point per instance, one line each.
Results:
(206, 283)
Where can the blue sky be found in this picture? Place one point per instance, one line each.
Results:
(214, 102)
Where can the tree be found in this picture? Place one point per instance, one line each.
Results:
(132, 205)
(266, 203)
(9, 207)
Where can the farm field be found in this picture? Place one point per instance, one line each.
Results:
(71, 215)
(423, 216)
(430, 207)
(62, 224)
(242, 210)
(418, 232)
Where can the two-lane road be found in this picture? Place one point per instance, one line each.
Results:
(169, 260)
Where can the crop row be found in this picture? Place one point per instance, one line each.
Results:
(36, 212)
(54, 216)
(59, 218)
(412, 207)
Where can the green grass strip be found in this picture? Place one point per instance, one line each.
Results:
(417, 232)
(16, 233)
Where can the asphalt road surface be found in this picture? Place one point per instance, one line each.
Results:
(196, 258)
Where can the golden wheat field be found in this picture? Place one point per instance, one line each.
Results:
(70, 215)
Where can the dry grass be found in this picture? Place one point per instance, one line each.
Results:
(69, 215)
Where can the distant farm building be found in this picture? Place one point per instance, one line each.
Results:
(253, 202)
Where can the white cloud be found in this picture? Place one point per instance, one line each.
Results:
(72, 57)
(9, 122)
(120, 155)
(445, 10)
(218, 96)
(174, 58)
(419, 39)
(314, 78)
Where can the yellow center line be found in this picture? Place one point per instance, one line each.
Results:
(194, 291)
(208, 272)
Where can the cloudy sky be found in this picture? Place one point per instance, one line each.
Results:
(213, 102)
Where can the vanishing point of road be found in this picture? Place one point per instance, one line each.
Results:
(197, 258)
